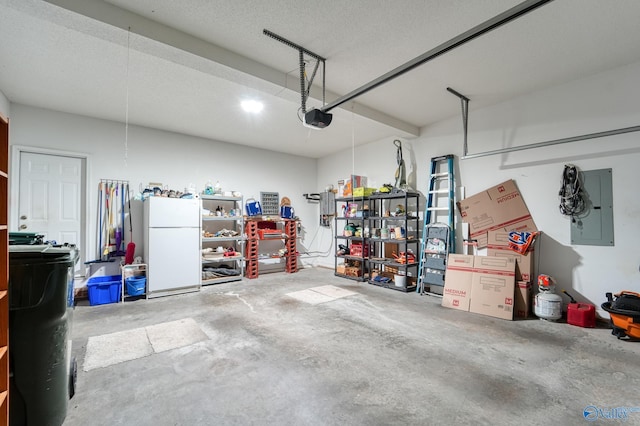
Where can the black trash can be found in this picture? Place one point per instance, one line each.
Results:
(41, 302)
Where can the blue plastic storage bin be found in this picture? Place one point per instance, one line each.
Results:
(253, 207)
(136, 285)
(287, 212)
(103, 290)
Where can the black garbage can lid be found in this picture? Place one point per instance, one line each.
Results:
(25, 238)
(37, 273)
(43, 252)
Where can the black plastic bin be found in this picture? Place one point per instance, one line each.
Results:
(41, 302)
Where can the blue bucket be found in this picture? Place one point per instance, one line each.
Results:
(136, 285)
(287, 212)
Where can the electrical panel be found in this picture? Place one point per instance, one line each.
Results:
(595, 226)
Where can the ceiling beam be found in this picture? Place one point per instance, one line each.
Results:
(483, 28)
(111, 15)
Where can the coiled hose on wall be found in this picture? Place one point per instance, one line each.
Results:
(572, 202)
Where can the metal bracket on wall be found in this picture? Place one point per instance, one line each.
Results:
(464, 103)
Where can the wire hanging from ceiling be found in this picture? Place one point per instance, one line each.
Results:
(126, 111)
(353, 145)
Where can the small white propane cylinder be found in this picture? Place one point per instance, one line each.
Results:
(547, 305)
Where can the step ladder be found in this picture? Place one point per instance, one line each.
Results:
(440, 203)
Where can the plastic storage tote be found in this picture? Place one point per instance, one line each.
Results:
(103, 290)
(41, 305)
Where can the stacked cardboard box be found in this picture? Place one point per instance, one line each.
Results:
(346, 186)
(491, 215)
(493, 286)
(480, 284)
(498, 245)
(457, 289)
(499, 207)
(523, 300)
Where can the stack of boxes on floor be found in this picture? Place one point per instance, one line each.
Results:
(498, 284)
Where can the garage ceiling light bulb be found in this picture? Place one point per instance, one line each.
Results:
(252, 106)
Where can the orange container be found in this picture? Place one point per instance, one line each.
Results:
(625, 314)
(624, 324)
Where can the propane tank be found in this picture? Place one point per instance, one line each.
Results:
(547, 304)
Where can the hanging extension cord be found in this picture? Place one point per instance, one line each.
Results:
(126, 113)
(572, 202)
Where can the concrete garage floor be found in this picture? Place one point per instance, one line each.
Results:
(376, 357)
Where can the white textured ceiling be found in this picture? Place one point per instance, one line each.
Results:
(191, 62)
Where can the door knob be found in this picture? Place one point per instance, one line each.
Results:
(23, 226)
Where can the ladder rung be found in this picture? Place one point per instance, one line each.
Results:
(443, 174)
(438, 208)
(439, 191)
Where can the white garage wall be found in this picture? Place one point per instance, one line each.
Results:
(4, 105)
(602, 102)
(173, 159)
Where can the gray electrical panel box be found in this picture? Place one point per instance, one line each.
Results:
(327, 203)
(327, 207)
(594, 227)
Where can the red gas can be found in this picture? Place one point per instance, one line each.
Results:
(581, 314)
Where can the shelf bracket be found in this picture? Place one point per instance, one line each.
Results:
(312, 197)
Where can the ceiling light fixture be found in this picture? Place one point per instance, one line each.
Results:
(252, 106)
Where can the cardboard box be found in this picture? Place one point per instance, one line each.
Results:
(524, 262)
(361, 191)
(390, 249)
(341, 184)
(493, 286)
(353, 271)
(457, 286)
(498, 245)
(355, 181)
(523, 300)
(498, 207)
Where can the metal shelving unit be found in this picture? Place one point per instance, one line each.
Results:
(222, 241)
(351, 260)
(394, 236)
(386, 239)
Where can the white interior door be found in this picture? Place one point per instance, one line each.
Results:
(50, 197)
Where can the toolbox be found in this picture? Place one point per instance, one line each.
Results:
(269, 233)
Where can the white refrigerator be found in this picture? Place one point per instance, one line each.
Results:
(172, 245)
